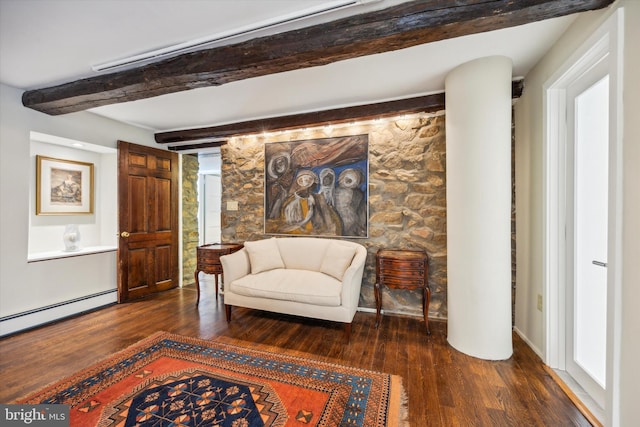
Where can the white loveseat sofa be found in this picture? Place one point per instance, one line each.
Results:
(302, 276)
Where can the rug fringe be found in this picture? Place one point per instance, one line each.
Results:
(398, 416)
(404, 408)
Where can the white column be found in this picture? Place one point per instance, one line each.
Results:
(478, 125)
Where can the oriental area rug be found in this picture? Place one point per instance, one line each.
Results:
(172, 380)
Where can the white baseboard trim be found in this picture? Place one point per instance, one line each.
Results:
(535, 349)
(40, 316)
(399, 313)
(383, 311)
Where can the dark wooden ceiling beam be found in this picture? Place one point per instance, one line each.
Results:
(398, 27)
(429, 103)
(196, 146)
(214, 136)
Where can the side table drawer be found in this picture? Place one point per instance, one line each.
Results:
(398, 282)
(404, 273)
(401, 264)
(210, 268)
(209, 257)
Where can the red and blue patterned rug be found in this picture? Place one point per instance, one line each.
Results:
(171, 380)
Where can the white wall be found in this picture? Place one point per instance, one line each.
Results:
(210, 163)
(529, 204)
(27, 286)
(630, 298)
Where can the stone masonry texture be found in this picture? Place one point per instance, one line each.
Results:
(190, 233)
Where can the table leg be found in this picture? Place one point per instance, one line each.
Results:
(197, 286)
(216, 286)
(426, 300)
(376, 289)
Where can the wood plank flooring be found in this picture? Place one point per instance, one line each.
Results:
(444, 386)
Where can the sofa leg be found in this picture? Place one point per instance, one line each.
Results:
(227, 312)
(347, 332)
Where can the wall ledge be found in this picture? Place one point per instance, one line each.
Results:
(89, 250)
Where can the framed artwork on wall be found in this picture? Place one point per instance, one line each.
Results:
(63, 187)
(317, 187)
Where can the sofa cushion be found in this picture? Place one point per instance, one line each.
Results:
(264, 255)
(302, 253)
(337, 259)
(309, 287)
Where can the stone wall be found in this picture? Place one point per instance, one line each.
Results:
(407, 198)
(190, 229)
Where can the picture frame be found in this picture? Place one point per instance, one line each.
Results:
(64, 187)
(317, 187)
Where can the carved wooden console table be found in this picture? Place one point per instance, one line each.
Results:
(209, 261)
(402, 269)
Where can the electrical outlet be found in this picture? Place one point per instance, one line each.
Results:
(540, 302)
(232, 205)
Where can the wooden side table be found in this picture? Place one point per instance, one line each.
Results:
(209, 261)
(402, 269)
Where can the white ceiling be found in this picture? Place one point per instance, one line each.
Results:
(48, 42)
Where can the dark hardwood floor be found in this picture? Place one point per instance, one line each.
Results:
(444, 386)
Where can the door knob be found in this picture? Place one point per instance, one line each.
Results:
(124, 234)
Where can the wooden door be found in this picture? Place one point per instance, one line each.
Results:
(148, 221)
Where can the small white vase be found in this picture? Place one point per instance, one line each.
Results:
(71, 238)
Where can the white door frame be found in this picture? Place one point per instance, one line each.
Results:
(605, 42)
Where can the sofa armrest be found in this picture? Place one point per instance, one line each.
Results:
(352, 280)
(235, 266)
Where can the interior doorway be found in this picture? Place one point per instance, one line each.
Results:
(209, 207)
(210, 198)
